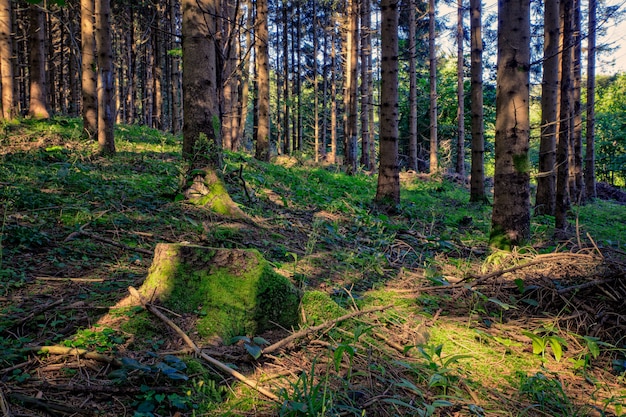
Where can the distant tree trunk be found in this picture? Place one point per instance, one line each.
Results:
(38, 105)
(432, 52)
(202, 146)
(176, 88)
(229, 27)
(325, 84)
(388, 190)
(511, 204)
(298, 75)
(477, 179)
(590, 156)
(106, 111)
(131, 67)
(245, 79)
(6, 64)
(332, 158)
(88, 51)
(562, 152)
(412, 87)
(578, 186)
(263, 82)
(285, 112)
(460, 115)
(350, 95)
(546, 191)
(366, 94)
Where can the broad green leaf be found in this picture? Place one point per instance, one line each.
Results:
(253, 350)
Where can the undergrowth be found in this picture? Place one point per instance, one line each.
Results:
(444, 349)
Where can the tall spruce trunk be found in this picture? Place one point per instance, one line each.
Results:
(477, 179)
(388, 189)
(263, 82)
(546, 179)
(460, 115)
(8, 105)
(432, 53)
(106, 108)
(511, 197)
(38, 104)
(413, 134)
(590, 157)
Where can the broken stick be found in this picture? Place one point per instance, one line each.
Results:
(223, 367)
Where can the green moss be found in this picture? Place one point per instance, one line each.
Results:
(521, 163)
(234, 292)
(319, 307)
(498, 238)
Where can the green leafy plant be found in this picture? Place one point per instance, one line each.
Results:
(547, 395)
(307, 396)
(543, 338)
(252, 345)
(442, 375)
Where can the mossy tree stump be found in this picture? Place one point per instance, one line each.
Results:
(234, 292)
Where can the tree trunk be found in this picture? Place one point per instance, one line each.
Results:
(350, 95)
(263, 82)
(477, 180)
(578, 187)
(562, 152)
(388, 190)
(460, 115)
(433, 87)
(6, 65)
(546, 191)
(285, 112)
(590, 157)
(511, 205)
(38, 105)
(176, 87)
(106, 111)
(366, 94)
(201, 128)
(412, 87)
(332, 158)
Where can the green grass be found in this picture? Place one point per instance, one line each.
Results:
(317, 226)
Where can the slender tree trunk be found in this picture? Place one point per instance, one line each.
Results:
(325, 83)
(263, 82)
(578, 189)
(412, 87)
(388, 190)
(477, 180)
(176, 78)
(298, 75)
(285, 112)
(566, 100)
(546, 179)
(460, 115)
(511, 204)
(106, 111)
(433, 87)
(6, 64)
(316, 101)
(366, 96)
(350, 97)
(38, 105)
(590, 157)
(332, 158)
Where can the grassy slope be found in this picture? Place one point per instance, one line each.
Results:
(465, 350)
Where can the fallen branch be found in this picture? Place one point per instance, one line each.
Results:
(38, 311)
(49, 406)
(4, 405)
(223, 367)
(62, 279)
(82, 353)
(589, 284)
(93, 236)
(319, 327)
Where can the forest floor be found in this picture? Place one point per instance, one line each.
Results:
(439, 323)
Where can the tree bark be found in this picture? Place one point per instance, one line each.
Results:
(590, 157)
(477, 179)
(460, 115)
(412, 87)
(106, 110)
(388, 190)
(350, 94)
(562, 152)
(38, 104)
(546, 179)
(6, 65)
(366, 94)
(577, 184)
(263, 82)
(511, 205)
(432, 52)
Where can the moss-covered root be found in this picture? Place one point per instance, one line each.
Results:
(207, 189)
